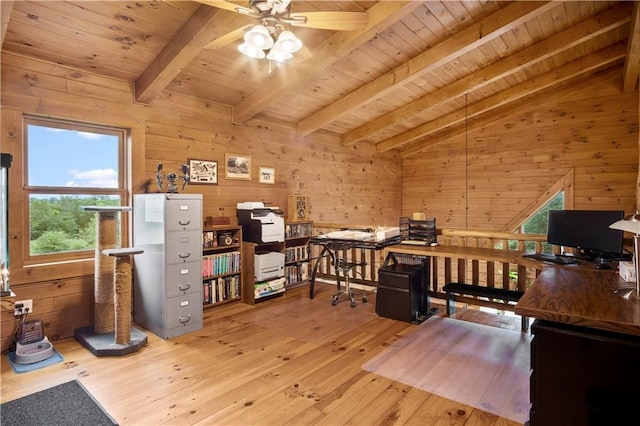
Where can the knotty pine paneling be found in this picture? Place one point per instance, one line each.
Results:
(353, 184)
(590, 127)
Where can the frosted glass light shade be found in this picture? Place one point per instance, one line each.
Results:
(259, 37)
(288, 42)
(251, 51)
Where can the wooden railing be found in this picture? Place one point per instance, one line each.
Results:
(498, 265)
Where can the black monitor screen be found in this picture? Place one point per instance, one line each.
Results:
(587, 230)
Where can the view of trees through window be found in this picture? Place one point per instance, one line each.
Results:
(60, 224)
(70, 166)
(537, 223)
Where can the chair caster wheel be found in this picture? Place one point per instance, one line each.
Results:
(334, 302)
(364, 300)
(353, 304)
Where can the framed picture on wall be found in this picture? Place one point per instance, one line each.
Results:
(267, 175)
(203, 171)
(237, 166)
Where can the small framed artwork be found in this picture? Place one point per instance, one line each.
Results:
(203, 171)
(238, 166)
(267, 175)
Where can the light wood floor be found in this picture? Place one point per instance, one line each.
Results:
(287, 361)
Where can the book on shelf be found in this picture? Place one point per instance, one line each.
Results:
(298, 230)
(297, 253)
(221, 264)
(221, 289)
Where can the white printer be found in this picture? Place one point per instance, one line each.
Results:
(268, 265)
(260, 224)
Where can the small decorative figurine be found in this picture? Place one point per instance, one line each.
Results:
(172, 178)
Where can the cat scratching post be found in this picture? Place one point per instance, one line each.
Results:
(106, 238)
(112, 333)
(125, 339)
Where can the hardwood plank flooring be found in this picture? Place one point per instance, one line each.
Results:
(290, 360)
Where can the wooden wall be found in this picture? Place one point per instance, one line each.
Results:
(352, 184)
(583, 137)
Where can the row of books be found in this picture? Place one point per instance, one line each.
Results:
(293, 254)
(296, 273)
(220, 289)
(298, 230)
(221, 263)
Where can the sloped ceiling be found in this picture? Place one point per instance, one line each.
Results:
(414, 74)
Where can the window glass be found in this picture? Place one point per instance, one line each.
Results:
(69, 166)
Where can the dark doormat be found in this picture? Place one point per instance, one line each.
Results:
(65, 404)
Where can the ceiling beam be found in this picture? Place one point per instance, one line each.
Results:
(381, 15)
(456, 119)
(194, 35)
(7, 7)
(632, 64)
(470, 38)
(586, 30)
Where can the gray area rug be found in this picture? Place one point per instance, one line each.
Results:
(65, 404)
(477, 365)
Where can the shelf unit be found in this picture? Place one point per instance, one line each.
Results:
(221, 265)
(253, 291)
(297, 268)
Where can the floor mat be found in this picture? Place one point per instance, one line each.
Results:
(481, 366)
(65, 404)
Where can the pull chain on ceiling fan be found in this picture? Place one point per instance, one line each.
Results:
(271, 39)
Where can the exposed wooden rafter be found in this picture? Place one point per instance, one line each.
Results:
(632, 64)
(581, 33)
(196, 34)
(498, 102)
(472, 37)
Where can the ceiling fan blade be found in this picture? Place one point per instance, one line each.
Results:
(339, 21)
(227, 5)
(228, 38)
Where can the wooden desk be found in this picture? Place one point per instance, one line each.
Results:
(585, 353)
(581, 296)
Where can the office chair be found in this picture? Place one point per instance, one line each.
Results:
(343, 267)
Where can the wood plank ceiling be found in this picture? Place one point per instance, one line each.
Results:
(412, 76)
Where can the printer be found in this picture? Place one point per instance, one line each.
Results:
(260, 224)
(268, 265)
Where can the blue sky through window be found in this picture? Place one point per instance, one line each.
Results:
(60, 157)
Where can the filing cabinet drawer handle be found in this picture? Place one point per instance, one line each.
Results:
(184, 320)
(184, 287)
(184, 255)
(184, 222)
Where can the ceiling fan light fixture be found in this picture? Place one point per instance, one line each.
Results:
(288, 42)
(259, 37)
(251, 51)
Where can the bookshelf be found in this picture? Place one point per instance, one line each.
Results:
(297, 252)
(221, 265)
(255, 291)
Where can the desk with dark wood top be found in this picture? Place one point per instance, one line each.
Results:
(585, 354)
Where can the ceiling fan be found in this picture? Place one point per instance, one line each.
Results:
(271, 38)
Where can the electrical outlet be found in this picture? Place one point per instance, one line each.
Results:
(23, 306)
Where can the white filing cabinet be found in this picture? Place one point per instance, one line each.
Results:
(168, 275)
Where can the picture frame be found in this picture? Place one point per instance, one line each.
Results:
(267, 175)
(203, 172)
(237, 166)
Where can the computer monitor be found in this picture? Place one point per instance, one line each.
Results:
(588, 231)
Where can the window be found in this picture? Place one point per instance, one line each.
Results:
(537, 223)
(70, 165)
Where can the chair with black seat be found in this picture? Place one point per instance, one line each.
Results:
(345, 268)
